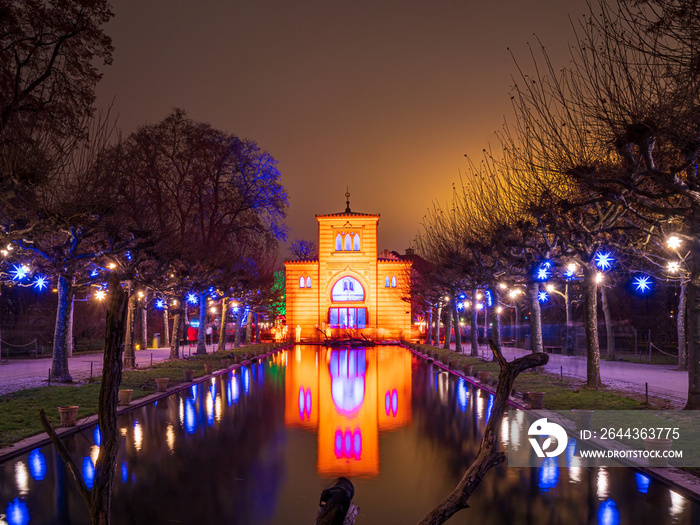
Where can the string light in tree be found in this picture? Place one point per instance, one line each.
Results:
(192, 298)
(570, 271)
(100, 295)
(160, 303)
(673, 267)
(604, 260)
(673, 242)
(642, 283)
(19, 272)
(542, 297)
(542, 273)
(40, 282)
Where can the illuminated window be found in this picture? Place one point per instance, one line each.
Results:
(348, 242)
(356, 243)
(339, 243)
(301, 282)
(393, 282)
(308, 282)
(347, 317)
(347, 289)
(386, 282)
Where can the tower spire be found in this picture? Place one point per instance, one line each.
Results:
(347, 202)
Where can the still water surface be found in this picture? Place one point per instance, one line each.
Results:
(257, 446)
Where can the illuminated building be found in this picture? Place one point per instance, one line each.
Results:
(349, 289)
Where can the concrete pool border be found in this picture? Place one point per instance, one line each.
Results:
(676, 479)
(39, 440)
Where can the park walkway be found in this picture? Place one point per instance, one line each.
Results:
(663, 380)
(20, 374)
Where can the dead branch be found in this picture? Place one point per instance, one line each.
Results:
(488, 455)
(65, 456)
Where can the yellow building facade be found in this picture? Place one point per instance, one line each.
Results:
(349, 289)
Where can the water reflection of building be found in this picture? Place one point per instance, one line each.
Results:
(348, 396)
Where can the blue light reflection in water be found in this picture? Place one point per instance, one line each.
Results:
(245, 375)
(17, 512)
(549, 474)
(190, 416)
(643, 482)
(88, 472)
(462, 394)
(37, 465)
(570, 451)
(489, 407)
(608, 513)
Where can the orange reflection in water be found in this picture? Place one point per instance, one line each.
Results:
(348, 396)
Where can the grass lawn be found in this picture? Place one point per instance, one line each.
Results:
(559, 395)
(19, 411)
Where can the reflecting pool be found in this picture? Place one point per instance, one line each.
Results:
(257, 446)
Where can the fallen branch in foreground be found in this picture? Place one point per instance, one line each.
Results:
(488, 455)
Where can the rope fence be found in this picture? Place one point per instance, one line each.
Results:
(31, 349)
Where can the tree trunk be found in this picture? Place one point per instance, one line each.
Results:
(680, 323)
(144, 327)
(69, 332)
(129, 352)
(222, 328)
(498, 318)
(458, 334)
(166, 327)
(609, 335)
(177, 331)
(693, 312)
(429, 335)
(567, 302)
(257, 328)
(535, 317)
(99, 498)
(473, 324)
(105, 466)
(438, 318)
(249, 328)
(239, 322)
(201, 344)
(488, 455)
(59, 364)
(448, 328)
(590, 321)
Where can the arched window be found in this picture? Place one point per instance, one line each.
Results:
(339, 243)
(347, 289)
(348, 243)
(386, 282)
(356, 243)
(308, 282)
(393, 281)
(301, 282)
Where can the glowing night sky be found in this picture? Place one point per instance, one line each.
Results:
(383, 96)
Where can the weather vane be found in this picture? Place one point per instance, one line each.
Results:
(347, 202)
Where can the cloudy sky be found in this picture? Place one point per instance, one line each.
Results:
(385, 97)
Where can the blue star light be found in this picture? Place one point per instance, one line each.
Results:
(40, 282)
(604, 260)
(542, 296)
(128, 255)
(19, 272)
(642, 283)
(460, 306)
(542, 274)
(192, 298)
(160, 303)
(94, 273)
